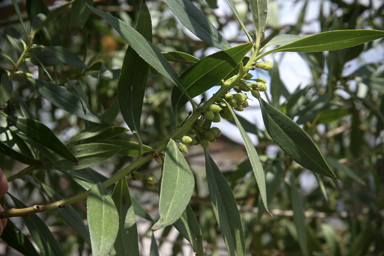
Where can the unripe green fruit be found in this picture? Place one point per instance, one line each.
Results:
(209, 115)
(228, 95)
(248, 76)
(215, 108)
(186, 139)
(149, 179)
(240, 98)
(265, 65)
(216, 118)
(209, 135)
(237, 89)
(226, 114)
(239, 108)
(216, 131)
(245, 104)
(244, 88)
(233, 102)
(204, 143)
(256, 94)
(192, 132)
(262, 87)
(223, 105)
(213, 140)
(261, 80)
(199, 122)
(183, 148)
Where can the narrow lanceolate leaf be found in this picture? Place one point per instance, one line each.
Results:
(53, 14)
(193, 19)
(5, 89)
(298, 216)
(87, 155)
(154, 251)
(43, 135)
(127, 239)
(329, 41)
(225, 208)
(189, 227)
(145, 49)
(65, 100)
(177, 185)
(69, 214)
(254, 159)
(40, 233)
(79, 13)
(283, 40)
(4, 149)
(259, 9)
(66, 56)
(15, 238)
(208, 72)
(233, 7)
(294, 141)
(343, 168)
(103, 220)
(180, 57)
(133, 79)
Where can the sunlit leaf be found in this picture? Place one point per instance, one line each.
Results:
(180, 57)
(259, 9)
(103, 220)
(177, 185)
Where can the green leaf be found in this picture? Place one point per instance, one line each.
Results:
(6, 89)
(43, 135)
(66, 56)
(145, 49)
(53, 14)
(332, 114)
(343, 168)
(4, 149)
(40, 233)
(180, 57)
(69, 214)
(189, 227)
(331, 238)
(109, 133)
(133, 79)
(65, 100)
(329, 41)
(127, 238)
(194, 20)
(87, 155)
(154, 249)
(177, 185)
(254, 158)
(294, 141)
(208, 72)
(79, 13)
(17, 240)
(298, 216)
(129, 148)
(259, 9)
(237, 15)
(282, 40)
(103, 220)
(248, 126)
(17, 9)
(224, 208)
(34, 7)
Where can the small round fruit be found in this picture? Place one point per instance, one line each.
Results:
(209, 135)
(150, 180)
(209, 115)
(215, 108)
(239, 108)
(183, 148)
(245, 104)
(199, 122)
(256, 94)
(248, 76)
(228, 95)
(186, 139)
(216, 131)
(192, 132)
(262, 80)
(216, 118)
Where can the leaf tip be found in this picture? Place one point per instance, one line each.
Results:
(154, 228)
(269, 212)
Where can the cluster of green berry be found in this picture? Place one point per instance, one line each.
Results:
(201, 133)
(149, 180)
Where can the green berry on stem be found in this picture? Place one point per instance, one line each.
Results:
(216, 131)
(183, 148)
(228, 95)
(204, 143)
(262, 80)
(186, 139)
(209, 115)
(216, 118)
(256, 94)
(248, 76)
(209, 135)
(215, 108)
(199, 122)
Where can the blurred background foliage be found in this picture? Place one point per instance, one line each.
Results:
(341, 106)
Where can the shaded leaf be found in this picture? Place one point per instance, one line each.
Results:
(298, 216)
(133, 79)
(254, 158)
(154, 249)
(294, 141)
(53, 14)
(193, 19)
(109, 133)
(102, 220)
(207, 72)
(329, 41)
(128, 148)
(127, 238)
(189, 227)
(17, 156)
(259, 9)
(69, 214)
(331, 238)
(6, 89)
(225, 208)
(177, 185)
(180, 57)
(79, 13)
(43, 135)
(17, 240)
(145, 49)
(40, 233)
(65, 100)
(343, 168)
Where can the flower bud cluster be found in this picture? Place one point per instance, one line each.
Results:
(148, 179)
(266, 65)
